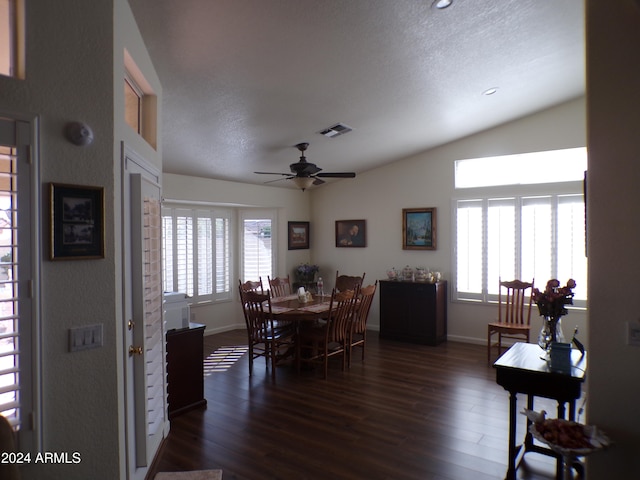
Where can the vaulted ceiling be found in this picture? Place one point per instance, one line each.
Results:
(244, 81)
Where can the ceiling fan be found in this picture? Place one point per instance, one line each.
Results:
(305, 174)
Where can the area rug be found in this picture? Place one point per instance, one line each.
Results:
(193, 475)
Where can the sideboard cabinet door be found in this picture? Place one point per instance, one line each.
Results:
(413, 312)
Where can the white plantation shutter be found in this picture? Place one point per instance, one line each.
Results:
(17, 312)
(154, 352)
(538, 245)
(184, 254)
(469, 243)
(223, 255)
(570, 243)
(9, 298)
(528, 237)
(204, 255)
(168, 233)
(196, 252)
(501, 242)
(257, 254)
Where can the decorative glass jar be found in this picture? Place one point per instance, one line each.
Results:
(422, 274)
(407, 273)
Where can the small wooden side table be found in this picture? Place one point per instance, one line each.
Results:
(522, 369)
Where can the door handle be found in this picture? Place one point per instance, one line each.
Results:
(135, 350)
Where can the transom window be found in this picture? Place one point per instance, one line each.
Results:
(11, 38)
(133, 105)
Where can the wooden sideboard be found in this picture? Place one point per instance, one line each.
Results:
(185, 369)
(413, 312)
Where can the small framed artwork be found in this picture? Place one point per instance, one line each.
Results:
(351, 233)
(298, 235)
(418, 228)
(77, 222)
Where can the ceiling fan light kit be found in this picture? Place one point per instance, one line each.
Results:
(305, 174)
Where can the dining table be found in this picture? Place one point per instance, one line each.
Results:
(289, 308)
(299, 314)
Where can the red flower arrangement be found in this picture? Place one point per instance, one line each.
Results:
(553, 301)
(552, 304)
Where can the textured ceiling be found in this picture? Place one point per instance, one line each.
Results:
(246, 80)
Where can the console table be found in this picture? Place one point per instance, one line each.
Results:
(413, 312)
(522, 369)
(185, 369)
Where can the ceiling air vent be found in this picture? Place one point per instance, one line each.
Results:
(336, 130)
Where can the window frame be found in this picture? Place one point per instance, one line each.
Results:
(519, 193)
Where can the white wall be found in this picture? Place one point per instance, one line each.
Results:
(426, 180)
(613, 76)
(291, 205)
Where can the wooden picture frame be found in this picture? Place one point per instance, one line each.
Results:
(77, 222)
(351, 233)
(298, 235)
(418, 228)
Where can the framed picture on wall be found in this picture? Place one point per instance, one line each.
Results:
(298, 235)
(351, 233)
(77, 222)
(418, 228)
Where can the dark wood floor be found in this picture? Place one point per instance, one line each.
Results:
(406, 412)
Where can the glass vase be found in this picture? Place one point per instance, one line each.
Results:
(551, 331)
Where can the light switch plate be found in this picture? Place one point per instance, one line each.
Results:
(84, 338)
(633, 334)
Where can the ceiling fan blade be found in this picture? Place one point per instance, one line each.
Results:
(318, 181)
(337, 175)
(273, 173)
(278, 180)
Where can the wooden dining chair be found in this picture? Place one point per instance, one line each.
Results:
(514, 314)
(251, 286)
(358, 330)
(279, 286)
(347, 282)
(316, 344)
(264, 339)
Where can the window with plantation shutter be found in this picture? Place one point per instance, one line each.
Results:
(257, 239)
(223, 256)
(196, 252)
(522, 231)
(17, 312)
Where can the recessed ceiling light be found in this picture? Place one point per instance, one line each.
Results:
(440, 4)
(490, 91)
